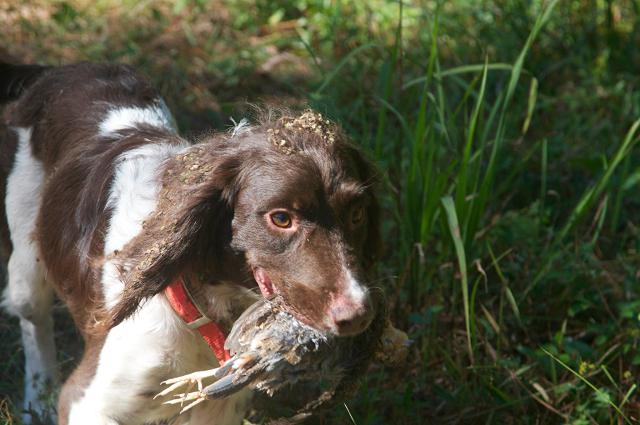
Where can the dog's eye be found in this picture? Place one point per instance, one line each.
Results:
(281, 219)
(357, 215)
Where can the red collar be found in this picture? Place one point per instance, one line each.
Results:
(186, 307)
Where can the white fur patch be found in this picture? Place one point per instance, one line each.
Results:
(355, 290)
(132, 198)
(27, 294)
(145, 349)
(127, 117)
(153, 344)
(24, 189)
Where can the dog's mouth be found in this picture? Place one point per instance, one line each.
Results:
(264, 282)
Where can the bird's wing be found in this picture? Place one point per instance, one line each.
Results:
(249, 325)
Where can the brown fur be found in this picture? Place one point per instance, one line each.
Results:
(79, 166)
(63, 106)
(212, 189)
(80, 378)
(212, 217)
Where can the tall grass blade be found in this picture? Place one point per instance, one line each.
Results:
(531, 104)
(353, 421)
(421, 123)
(583, 206)
(462, 181)
(487, 182)
(628, 394)
(387, 80)
(421, 204)
(601, 215)
(329, 78)
(544, 168)
(458, 70)
(617, 204)
(401, 118)
(495, 263)
(454, 229)
(594, 192)
(604, 396)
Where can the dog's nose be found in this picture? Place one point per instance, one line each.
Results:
(351, 318)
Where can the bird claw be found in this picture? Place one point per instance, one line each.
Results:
(189, 380)
(196, 397)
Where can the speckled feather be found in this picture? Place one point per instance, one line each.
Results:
(297, 369)
(270, 348)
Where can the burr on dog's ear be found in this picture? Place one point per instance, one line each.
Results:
(195, 202)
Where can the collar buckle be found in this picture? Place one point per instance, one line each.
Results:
(198, 321)
(190, 312)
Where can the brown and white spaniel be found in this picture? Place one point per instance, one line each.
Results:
(108, 206)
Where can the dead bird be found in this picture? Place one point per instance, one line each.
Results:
(276, 354)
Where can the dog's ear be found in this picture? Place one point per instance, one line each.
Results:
(191, 222)
(369, 174)
(374, 237)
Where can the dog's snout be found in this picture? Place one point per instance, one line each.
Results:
(351, 318)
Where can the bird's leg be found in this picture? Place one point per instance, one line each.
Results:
(189, 380)
(197, 397)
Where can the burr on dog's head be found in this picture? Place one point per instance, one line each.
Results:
(306, 219)
(290, 203)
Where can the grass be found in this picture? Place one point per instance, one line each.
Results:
(506, 132)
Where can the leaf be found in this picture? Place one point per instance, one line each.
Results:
(454, 229)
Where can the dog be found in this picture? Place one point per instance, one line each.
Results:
(133, 226)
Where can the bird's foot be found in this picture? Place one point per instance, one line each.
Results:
(195, 398)
(189, 380)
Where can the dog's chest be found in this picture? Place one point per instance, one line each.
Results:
(141, 352)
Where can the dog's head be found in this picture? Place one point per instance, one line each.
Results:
(292, 198)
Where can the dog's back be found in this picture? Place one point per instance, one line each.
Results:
(71, 123)
(61, 107)
(66, 106)
(62, 132)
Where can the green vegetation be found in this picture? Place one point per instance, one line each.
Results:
(507, 136)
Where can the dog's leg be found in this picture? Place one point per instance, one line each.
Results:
(27, 296)
(75, 386)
